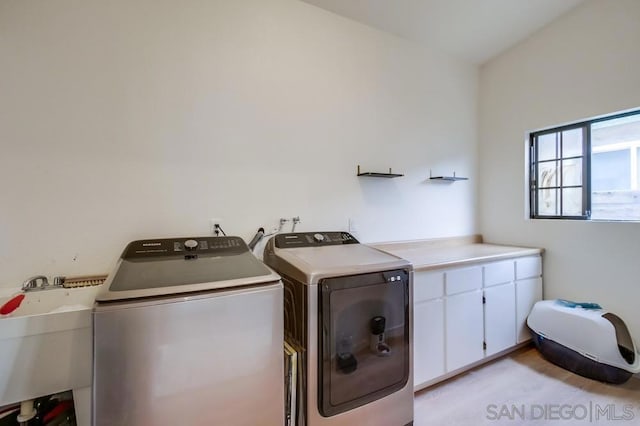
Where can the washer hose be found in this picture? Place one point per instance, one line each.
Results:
(256, 239)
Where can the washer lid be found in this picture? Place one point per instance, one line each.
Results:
(179, 265)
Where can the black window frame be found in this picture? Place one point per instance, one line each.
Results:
(534, 189)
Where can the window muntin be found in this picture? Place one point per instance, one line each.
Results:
(588, 170)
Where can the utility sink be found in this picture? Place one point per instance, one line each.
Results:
(46, 343)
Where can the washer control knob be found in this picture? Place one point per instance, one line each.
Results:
(318, 237)
(190, 245)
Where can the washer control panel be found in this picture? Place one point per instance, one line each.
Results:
(313, 239)
(185, 247)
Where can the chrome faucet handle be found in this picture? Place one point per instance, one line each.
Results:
(35, 282)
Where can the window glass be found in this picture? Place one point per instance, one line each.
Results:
(610, 170)
(638, 168)
(547, 146)
(572, 143)
(548, 202)
(572, 201)
(572, 172)
(547, 174)
(617, 130)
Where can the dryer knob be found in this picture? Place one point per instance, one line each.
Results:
(190, 244)
(318, 237)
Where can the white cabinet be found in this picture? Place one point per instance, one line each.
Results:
(528, 267)
(428, 326)
(498, 272)
(460, 280)
(499, 318)
(499, 306)
(463, 315)
(428, 341)
(528, 292)
(427, 285)
(464, 329)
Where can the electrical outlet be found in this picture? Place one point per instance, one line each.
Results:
(212, 224)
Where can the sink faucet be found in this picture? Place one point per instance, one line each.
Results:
(38, 282)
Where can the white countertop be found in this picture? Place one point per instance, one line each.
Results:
(430, 254)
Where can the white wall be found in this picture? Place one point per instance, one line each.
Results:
(122, 120)
(585, 64)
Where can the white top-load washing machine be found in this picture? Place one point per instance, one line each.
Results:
(348, 310)
(188, 331)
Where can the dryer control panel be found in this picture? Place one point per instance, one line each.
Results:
(313, 239)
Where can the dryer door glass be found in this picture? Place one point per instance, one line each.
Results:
(363, 339)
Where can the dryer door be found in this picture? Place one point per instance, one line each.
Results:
(363, 339)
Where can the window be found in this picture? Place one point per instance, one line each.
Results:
(587, 170)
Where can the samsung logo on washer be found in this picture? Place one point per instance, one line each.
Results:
(151, 244)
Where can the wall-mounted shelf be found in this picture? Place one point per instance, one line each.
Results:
(378, 174)
(447, 178)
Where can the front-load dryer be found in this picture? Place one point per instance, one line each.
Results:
(348, 308)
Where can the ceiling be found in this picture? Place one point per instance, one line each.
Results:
(472, 30)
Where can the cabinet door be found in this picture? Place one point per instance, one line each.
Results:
(464, 329)
(428, 341)
(499, 318)
(528, 292)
